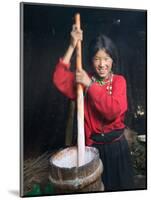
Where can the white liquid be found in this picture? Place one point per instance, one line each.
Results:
(67, 158)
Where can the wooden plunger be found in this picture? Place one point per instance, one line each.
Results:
(80, 102)
(67, 173)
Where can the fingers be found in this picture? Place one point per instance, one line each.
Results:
(75, 27)
(79, 76)
(77, 32)
(82, 77)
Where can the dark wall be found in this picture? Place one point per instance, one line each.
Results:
(46, 37)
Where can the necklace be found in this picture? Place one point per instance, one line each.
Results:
(101, 82)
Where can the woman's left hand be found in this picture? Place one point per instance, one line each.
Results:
(83, 78)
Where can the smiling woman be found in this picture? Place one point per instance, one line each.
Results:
(105, 105)
(102, 63)
(103, 52)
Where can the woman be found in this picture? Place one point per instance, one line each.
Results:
(105, 104)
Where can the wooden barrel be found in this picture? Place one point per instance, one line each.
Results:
(66, 177)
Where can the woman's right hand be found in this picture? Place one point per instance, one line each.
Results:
(76, 35)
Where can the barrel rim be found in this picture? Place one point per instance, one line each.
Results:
(75, 167)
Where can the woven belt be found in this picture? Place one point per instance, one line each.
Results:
(107, 137)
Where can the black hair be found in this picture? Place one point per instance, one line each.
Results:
(102, 42)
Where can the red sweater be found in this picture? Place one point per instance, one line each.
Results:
(102, 112)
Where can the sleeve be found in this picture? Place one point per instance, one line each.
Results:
(109, 106)
(63, 79)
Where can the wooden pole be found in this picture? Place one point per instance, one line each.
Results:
(80, 102)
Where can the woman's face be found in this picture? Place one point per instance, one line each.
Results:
(102, 64)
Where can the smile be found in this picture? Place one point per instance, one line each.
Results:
(102, 71)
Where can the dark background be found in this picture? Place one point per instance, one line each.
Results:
(46, 34)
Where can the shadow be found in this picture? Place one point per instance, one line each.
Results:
(14, 192)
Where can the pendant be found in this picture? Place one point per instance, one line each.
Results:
(109, 89)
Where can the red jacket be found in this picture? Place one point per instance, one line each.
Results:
(103, 112)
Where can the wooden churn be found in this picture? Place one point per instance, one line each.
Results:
(77, 169)
(67, 177)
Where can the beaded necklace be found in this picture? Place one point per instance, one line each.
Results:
(101, 82)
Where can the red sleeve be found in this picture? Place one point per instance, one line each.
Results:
(63, 79)
(109, 106)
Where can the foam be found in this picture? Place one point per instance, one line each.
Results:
(67, 158)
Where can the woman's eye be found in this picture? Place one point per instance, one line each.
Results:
(108, 59)
(96, 59)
